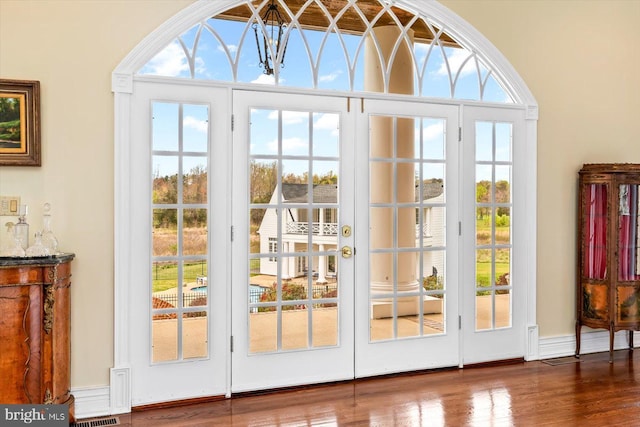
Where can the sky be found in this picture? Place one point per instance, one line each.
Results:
(226, 50)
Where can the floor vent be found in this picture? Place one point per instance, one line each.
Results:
(111, 421)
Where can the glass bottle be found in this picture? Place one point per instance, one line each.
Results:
(49, 240)
(37, 249)
(13, 247)
(21, 229)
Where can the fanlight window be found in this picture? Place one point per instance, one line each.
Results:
(325, 49)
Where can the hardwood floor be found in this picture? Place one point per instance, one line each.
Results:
(585, 392)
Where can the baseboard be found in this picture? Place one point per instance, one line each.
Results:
(91, 402)
(590, 342)
(96, 401)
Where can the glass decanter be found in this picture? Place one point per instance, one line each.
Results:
(21, 229)
(49, 240)
(37, 249)
(13, 247)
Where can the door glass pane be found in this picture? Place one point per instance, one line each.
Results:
(493, 287)
(179, 291)
(294, 225)
(295, 327)
(194, 333)
(407, 227)
(195, 128)
(594, 231)
(629, 232)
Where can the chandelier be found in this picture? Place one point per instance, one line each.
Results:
(272, 38)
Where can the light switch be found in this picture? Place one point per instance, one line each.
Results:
(9, 205)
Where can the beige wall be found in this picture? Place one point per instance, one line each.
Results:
(579, 58)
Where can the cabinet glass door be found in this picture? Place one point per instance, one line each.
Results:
(629, 232)
(594, 250)
(628, 303)
(595, 232)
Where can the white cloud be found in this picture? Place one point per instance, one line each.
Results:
(433, 131)
(289, 117)
(456, 60)
(329, 122)
(265, 79)
(171, 61)
(193, 123)
(330, 77)
(290, 146)
(232, 48)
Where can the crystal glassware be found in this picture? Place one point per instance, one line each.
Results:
(37, 249)
(21, 229)
(13, 247)
(49, 240)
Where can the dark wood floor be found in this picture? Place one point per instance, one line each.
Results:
(589, 392)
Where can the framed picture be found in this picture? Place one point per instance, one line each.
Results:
(19, 123)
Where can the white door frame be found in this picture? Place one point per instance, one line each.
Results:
(122, 86)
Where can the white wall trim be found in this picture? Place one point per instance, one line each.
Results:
(91, 402)
(590, 342)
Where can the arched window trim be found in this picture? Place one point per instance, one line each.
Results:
(452, 24)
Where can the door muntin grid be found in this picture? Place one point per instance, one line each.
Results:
(493, 229)
(407, 215)
(293, 239)
(179, 238)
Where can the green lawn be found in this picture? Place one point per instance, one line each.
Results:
(165, 276)
(483, 272)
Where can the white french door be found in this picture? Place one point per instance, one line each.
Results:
(407, 208)
(180, 242)
(293, 201)
(326, 239)
(493, 228)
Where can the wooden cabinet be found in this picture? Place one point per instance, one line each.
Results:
(35, 354)
(608, 274)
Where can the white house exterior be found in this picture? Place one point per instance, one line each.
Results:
(295, 223)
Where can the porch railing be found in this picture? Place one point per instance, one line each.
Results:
(327, 228)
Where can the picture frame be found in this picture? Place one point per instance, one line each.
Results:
(19, 122)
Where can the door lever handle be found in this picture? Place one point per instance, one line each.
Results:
(347, 252)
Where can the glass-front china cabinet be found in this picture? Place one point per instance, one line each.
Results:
(608, 273)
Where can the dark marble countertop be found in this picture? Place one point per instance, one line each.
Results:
(40, 260)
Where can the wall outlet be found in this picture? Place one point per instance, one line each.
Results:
(9, 205)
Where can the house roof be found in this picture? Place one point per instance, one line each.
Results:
(430, 190)
(298, 193)
(328, 193)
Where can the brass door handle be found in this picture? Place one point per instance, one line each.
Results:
(346, 252)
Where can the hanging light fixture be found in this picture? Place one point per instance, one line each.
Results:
(272, 41)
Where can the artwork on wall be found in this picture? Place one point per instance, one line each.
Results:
(19, 122)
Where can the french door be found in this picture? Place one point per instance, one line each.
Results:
(293, 217)
(407, 211)
(387, 171)
(179, 245)
(493, 230)
(324, 238)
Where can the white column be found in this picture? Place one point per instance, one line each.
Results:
(383, 134)
(322, 266)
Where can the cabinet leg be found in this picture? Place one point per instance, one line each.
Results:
(611, 337)
(578, 328)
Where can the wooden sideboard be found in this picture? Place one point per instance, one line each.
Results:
(35, 345)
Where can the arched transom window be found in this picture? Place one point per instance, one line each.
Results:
(325, 45)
